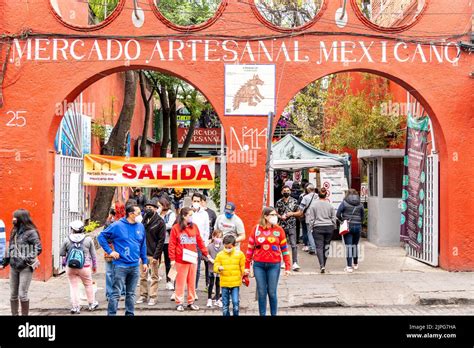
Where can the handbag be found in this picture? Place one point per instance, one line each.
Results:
(190, 256)
(344, 227)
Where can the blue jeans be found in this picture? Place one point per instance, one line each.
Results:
(305, 233)
(267, 275)
(109, 280)
(125, 278)
(311, 243)
(351, 240)
(227, 294)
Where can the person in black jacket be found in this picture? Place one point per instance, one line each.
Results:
(139, 198)
(353, 211)
(24, 248)
(155, 228)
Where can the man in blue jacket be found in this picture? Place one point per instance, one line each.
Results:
(129, 240)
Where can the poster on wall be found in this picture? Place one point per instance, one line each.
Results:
(414, 182)
(189, 172)
(249, 89)
(333, 179)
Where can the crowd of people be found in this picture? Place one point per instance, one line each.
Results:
(141, 233)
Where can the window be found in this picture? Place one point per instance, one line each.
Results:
(373, 179)
(392, 177)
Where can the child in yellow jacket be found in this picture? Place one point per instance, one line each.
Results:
(230, 264)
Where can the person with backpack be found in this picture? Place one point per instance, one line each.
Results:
(79, 257)
(22, 256)
(305, 212)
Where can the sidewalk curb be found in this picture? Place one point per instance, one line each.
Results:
(445, 298)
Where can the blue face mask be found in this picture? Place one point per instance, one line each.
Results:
(229, 215)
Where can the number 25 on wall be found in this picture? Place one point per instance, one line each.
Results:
(16, 120)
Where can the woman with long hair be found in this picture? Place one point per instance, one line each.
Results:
(184, 242)
(266, 247)
(24, 248)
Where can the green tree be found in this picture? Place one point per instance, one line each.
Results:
(187, 12)
(99, 10)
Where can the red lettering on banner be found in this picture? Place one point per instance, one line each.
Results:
(146, 172)
(184, 175)
(174, 172)
(129, 171)
(204, 173)
(159, 173)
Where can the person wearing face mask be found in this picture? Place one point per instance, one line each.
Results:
(213, 249)
(230, 264)
(286, 208)
(155, 229)
(185, 241)
(201, 220)
(266, 247)
(169, 217)
(23, 250)
(128, 238)
(230, 223)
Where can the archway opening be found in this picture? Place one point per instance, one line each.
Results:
(346, 134)
(166, 116)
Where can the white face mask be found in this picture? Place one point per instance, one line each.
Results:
(228, 250)
(273, 220)
(138, 219)
(196, 206)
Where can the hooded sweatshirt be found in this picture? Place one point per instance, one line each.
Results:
(351, 209)
(129, 240)
(90, 258)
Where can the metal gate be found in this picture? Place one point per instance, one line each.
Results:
(430, 251)
(68, 201)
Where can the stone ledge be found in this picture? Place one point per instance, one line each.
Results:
(445, 298)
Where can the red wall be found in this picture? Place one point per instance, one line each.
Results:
(33, 87)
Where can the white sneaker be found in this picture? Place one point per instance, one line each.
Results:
(209, 303)
(173, 297)
(93, 306)
(219, 303)
(349, 269)
(152, 302)
(305, 248)
(355, 266)
(141, 299)
(282, 266)
(169, 286)
(296, 267)
(76, 310)
(159, 278)
(197, 298)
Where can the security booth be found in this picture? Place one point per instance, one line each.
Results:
(384, 173)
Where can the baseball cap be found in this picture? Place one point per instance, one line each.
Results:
(229, 208)
(77, 225)
(152, 202)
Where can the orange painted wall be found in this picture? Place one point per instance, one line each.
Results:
(444, 89)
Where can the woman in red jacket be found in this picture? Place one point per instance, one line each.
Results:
(185, 240)
(266, 246)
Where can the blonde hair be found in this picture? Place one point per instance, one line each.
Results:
(265, 212)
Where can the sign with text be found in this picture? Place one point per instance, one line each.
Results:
(191, 172)
(414, 182)
(335, 182)
(249, 89)
(203, 136)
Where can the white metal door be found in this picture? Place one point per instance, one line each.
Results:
(430, 251)
(68, 201)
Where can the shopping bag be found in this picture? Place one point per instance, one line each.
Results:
(190, 256)
(344, 228)
(172, 274)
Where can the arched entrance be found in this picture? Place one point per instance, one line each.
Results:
(336, 114)
(53, 60)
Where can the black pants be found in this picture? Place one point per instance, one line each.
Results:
(167, 262)
(322, 238)
(213, 279)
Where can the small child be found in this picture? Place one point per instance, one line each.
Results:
(213, 249)
(230, 264)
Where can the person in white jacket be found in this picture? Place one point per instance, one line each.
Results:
(201, 220)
